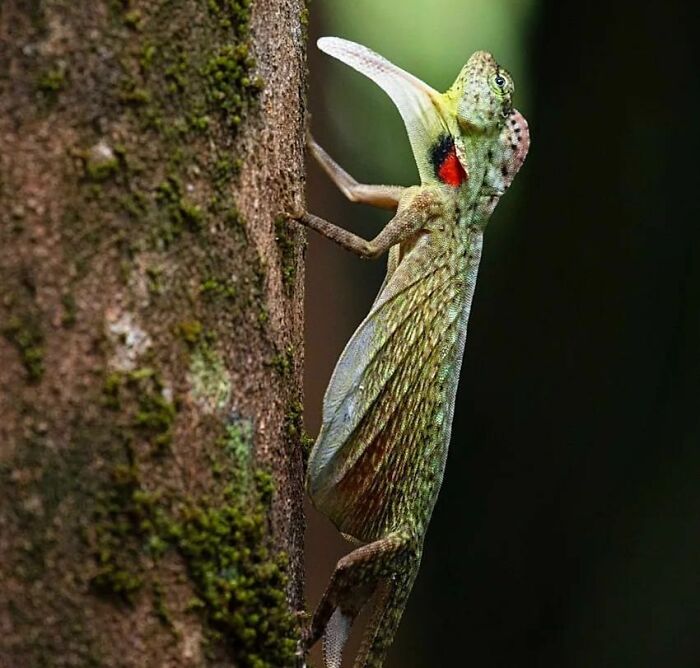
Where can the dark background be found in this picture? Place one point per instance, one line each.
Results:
(567, 533)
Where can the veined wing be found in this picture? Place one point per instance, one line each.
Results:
(387, 372)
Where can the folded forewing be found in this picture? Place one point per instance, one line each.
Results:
(384, 388)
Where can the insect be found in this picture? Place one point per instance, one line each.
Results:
(377, 465)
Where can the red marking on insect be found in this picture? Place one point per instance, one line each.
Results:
(450, 169)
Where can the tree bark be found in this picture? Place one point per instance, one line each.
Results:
(151, 332)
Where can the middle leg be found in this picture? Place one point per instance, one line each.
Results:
(411, 217)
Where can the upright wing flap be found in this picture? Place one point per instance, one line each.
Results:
(417, 102)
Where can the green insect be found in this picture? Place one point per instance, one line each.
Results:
(377, 465)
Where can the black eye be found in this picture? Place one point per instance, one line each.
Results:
(500, 81)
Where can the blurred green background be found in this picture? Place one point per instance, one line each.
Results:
(567, 533)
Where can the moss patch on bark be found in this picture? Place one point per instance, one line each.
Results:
(238, 582)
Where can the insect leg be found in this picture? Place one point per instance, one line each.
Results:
(384, 197)
(409, 219)
(355, 579)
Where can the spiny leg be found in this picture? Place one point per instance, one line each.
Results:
(384, 197)
(356, 577)
(408, 220)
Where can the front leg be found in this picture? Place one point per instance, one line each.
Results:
(384, 571)
(411, 217)
(384, 197)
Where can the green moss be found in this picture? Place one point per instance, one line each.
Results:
(199, 122)
(263, 316)
(26, 335)
(191, 214)
(283, 362)
(224, 170)
(304, 21)
(231, 14)
(229, 83)
(213, 287)
(120, 513)
(154, 275)
(100, 165)
(110, 390)
(155, 417)
(213, 78)
(151, 415)
(169, 192)
(177, 70)
(160, 607)
(190, 331)
(284, 235)
(148, 53)
(51, 81)
(238, 583)
(186, 81)
(155, 414)
(241, 584)
(134, 19)
(180, 213)
(294, 427)
(126, 512)
(70, 310)
(133, 94)
(134, 203)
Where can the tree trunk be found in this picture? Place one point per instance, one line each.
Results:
(151, 332)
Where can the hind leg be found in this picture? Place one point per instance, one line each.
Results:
(388, 605)
(357, 576)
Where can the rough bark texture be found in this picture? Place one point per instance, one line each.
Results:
(151, 332)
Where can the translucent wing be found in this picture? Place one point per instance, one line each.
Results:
(418, 103)
(387, 405)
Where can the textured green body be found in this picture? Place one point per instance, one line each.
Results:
(378, 462)
(396, 382)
